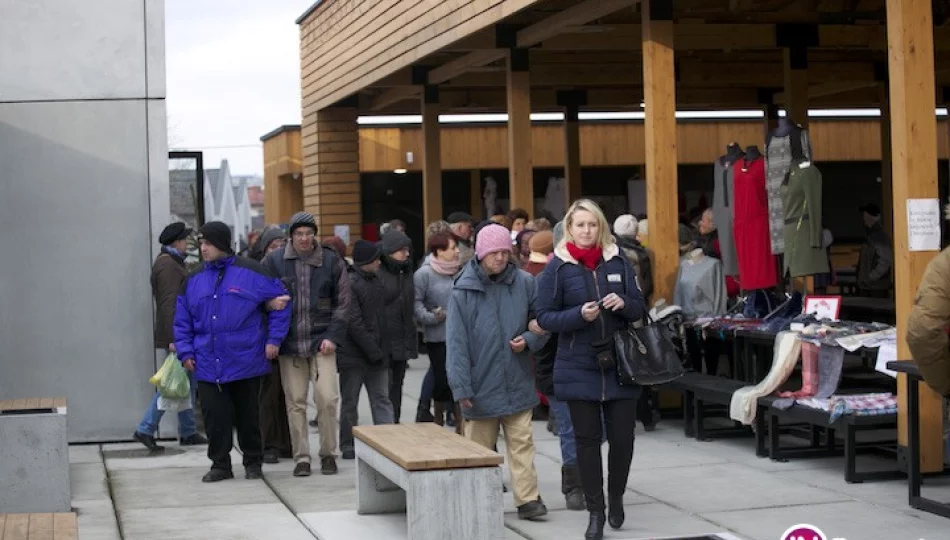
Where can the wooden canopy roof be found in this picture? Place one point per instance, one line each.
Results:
(729, 53)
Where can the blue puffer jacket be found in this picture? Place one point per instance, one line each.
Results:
(563, 288)
(221, 321)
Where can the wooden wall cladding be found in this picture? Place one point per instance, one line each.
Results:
(611, 144)
(350, 44)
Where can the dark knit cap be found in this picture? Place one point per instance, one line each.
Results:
(365, 252)
(459, 217)
(393, 241)
(173, 233)
(269, 236)
(217, 234)
(302, 219)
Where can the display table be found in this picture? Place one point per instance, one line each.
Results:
(914, 475)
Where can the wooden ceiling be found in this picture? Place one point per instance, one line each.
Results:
(728, 55)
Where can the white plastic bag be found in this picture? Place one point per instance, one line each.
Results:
(169, 404)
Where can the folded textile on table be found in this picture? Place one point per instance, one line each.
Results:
(857, 404)
(828, 375)
(787, 348)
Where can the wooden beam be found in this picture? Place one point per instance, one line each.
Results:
(520, 169)
(575, 15)
(462, 64)
(796, 85)
(832, 89)
(432, 157)
(887, 164)
(572, 154)
(659, 95)
(394, 95)
(914, 152)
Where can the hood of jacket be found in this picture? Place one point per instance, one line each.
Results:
(609, 252)
(474, 278)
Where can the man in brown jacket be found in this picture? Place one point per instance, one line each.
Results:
(168, 274)
(927, 325)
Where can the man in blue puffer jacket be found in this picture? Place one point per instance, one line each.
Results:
(225, 334)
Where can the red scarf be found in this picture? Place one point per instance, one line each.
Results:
(589, 257)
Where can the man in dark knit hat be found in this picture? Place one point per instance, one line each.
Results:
(168, 273)
(225, 334)
(318, 284)
(362, 359)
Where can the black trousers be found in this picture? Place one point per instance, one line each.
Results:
(703, 349)
(397, 374)
(275, 429)
(226, 407)
(647, 405)
(437, 357)
(589, 419)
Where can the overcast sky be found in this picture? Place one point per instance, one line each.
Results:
(233, 75)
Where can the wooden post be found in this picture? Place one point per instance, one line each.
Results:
(796, 84)
(914, 150)
(520, 169)
(331, 169)
(659, 96)
(432, 156)
(887, 184)
(572, 102)
(478, 205)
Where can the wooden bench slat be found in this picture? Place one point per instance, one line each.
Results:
(59, 402)
(3, 520)
(41, 527)
(65, 527)
(17, 527)
(31, 403)
(419, 447)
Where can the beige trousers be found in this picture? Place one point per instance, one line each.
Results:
(519, 440)
(297, 373)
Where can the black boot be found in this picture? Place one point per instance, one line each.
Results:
(595, 529)
(615, 514)
(571, 488)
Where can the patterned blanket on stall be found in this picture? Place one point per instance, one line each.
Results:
(856, 404)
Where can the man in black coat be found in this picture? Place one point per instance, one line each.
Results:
(361, 358)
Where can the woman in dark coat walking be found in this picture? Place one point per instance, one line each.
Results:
(399, 339)
(588, 268)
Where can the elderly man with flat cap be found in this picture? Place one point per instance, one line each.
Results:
(168, 273)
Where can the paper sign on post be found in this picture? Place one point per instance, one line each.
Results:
(343, 232)
(923, 224)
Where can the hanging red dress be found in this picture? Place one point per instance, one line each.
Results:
(757, 268)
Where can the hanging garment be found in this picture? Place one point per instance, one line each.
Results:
(723, 215)
(779, 156)
(555, 197)
(701, 287)
(743, 405)
(757, 269)
(805, 253)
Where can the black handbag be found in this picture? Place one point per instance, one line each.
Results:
(646, 355)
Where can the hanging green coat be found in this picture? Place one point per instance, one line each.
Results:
(801, 194)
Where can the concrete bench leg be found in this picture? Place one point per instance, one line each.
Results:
(462, 504)
(375, 493)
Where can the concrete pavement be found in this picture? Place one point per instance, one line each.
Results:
(677, 487)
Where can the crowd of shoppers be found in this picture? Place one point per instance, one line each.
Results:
(513, 312)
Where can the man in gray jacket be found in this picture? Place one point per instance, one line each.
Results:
(490, 330)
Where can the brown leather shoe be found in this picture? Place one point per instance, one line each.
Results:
(328, 465)
(302, 469)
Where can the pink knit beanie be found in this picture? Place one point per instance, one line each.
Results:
(491, 239)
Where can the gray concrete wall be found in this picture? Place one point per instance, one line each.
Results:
(83, 197)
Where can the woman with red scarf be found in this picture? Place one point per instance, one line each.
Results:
(585, 294)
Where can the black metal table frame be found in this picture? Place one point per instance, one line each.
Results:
(914, 475)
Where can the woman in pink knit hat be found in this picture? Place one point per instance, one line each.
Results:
(489, 339)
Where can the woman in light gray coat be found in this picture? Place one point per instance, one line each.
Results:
(489, 331)
(433, 282)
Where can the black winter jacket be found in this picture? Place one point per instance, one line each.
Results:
(361, 344)
(400, 339)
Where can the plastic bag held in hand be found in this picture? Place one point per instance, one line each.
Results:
(175, 384)
(156, 379)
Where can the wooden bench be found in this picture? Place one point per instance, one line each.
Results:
(816, 421)
(702, 395)
(38, 527)
(448, 486)
(34, 445)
